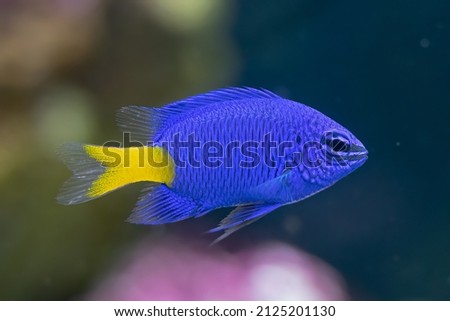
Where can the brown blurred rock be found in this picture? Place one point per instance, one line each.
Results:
(40, 37)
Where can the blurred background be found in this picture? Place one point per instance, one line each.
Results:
(380, 68)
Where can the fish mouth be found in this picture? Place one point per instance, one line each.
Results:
(357, 153)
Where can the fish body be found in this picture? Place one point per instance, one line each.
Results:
(241, 147)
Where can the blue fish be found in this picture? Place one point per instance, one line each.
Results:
(235, 147)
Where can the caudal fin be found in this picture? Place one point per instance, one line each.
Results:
(86, 171)
(98, 170)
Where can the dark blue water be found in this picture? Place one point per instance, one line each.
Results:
(382, 69)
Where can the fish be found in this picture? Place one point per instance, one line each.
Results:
(239, 147)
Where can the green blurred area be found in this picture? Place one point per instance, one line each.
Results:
(66, 66)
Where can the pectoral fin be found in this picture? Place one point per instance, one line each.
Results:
(276, 190)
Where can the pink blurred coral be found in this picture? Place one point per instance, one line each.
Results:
(174, 271)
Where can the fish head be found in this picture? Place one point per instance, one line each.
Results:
(330, 153)
(342, 152)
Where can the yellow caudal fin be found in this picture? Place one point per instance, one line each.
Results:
(98, 170)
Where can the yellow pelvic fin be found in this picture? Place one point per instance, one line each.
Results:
(129, 165)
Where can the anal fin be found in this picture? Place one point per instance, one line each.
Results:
(159, 205)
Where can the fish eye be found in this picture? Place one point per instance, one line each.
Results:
(336, 143)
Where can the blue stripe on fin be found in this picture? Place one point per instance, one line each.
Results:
(159, 205)
(146, 123)
(242, 216)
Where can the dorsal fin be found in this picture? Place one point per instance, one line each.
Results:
(145, 123)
